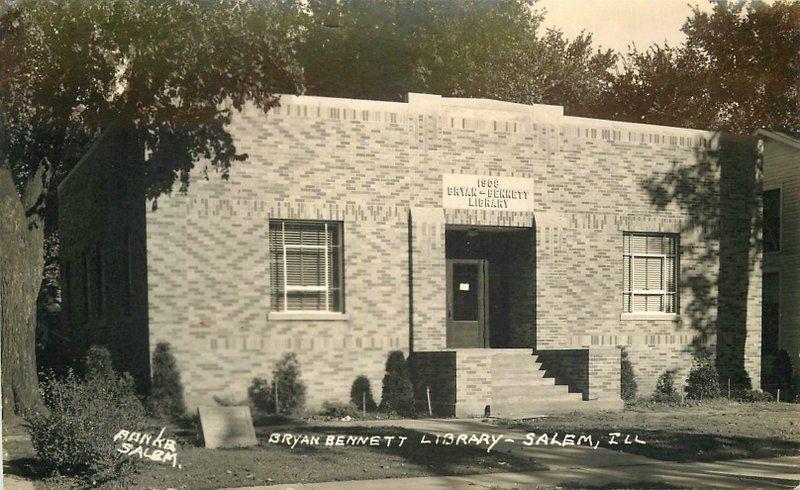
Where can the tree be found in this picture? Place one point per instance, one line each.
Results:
(166, 392)
(172, 73)
(736, 71)
(460, 48)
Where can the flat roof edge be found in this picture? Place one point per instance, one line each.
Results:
(477, 107)
(779, 137)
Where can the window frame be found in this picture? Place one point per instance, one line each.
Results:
(778, 188)
(628, 295)
(330, 286)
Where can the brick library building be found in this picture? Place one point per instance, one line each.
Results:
(513, 253)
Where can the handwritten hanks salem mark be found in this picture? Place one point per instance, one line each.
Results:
(144, 445)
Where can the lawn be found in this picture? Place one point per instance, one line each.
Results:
(711, 431)
(269, 464)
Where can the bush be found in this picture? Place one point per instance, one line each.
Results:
(665, 388)
(98, 363)
(780, 376)
(360, 392)
(739, 383)
(702, 382)
(628, 385)
(73, 433)
(339, 410)
(754, 396)
(166, 392)
(291, 391)
(796, 388)
(397, 393)
(260, 396)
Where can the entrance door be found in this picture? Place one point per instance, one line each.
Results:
(467, 297)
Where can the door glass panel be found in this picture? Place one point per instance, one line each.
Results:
(465, 292)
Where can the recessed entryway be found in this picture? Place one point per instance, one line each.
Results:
(490, 286)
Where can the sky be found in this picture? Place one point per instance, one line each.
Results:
(617, 23)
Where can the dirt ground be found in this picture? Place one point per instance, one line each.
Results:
(710, 431)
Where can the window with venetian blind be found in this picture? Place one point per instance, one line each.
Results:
(306, 265)
(650, 265)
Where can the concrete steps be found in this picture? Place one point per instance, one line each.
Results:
(520, 389)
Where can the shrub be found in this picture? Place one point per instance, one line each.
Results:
(796, 388)
(753, 396)
(397, 394)
(98, 363)
(73, 433)
(628, 385)
(781, 375)
(166, 392)
(739, 383)
(291, 391)
(361, 394)
(260, 396)
(702, 382)
(339, 410)
(665, 388)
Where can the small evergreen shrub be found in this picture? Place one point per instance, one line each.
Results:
(665, 388)
(73, 432)
(360, 392)
(291, 392)
(702, 382)
(166, 391)
(397, 394)
(291, 397)
(339, 410)
(628, 386)
(260, 397)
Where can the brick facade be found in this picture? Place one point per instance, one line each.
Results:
(377, 167)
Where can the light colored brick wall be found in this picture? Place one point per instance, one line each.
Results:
(367, 164)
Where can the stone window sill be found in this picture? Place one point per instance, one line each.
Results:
(307, 315)
(671, 317)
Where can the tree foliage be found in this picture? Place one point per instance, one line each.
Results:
(736, 71)
(459, 48)
(174, 71)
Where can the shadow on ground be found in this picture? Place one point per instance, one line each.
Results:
(438, 459)
(684, 446)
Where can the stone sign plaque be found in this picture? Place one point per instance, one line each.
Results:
(488, 192)
(227, 427)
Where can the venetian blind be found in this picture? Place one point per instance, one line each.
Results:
(650, 273)
(305, 266)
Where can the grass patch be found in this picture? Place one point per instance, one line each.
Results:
(711, 431)
(268, 463)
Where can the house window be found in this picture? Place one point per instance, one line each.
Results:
(772, 220)
(650, 266)
(306, 265)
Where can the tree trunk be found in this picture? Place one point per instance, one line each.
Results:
(21, 265)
